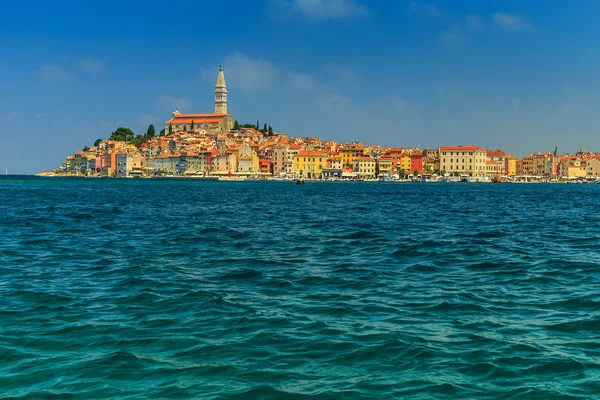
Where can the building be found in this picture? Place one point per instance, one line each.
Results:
(498, 167)
(335, 168)
(310, 164)
(349, 152)
(219, 121)
(527, 167)
(385, 165)
(292, 151)
(571, 167)
(510, 166)
(494, 169)
(463, 160)
(199, 164)
(224, 163)
(592, 168)
(416, 161)
(364, 167)
(279, 159)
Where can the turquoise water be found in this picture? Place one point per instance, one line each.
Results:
(129, 289)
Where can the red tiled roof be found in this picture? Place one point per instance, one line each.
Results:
(196, 121)
(462, 148)
(180, 115)
(306, 153)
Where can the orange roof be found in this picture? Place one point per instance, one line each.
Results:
(462, 148)
(180, 115)
(305, 153)
(177, 121)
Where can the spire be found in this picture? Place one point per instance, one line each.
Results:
(221, 78)
(221, 93)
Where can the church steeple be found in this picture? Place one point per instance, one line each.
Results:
(221, 93)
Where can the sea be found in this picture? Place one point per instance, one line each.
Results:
(137, 289)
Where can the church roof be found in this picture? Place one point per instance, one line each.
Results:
(196, 118)
(201, 115)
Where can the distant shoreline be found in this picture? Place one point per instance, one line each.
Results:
(521, 180)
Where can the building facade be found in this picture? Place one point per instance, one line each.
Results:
(463, 160)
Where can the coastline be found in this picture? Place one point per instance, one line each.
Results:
(512, 180)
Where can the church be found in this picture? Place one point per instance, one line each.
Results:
(220, 121)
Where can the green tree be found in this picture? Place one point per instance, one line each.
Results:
(97, 142)
(192, 127)
(265, 128)
(401, 173)
(416, 173)
(257, 125)
(170, 130)
(150, 132)
(162, 132)
(270, 131)
(236, 126)
(86, 148)
(122, 135)
(138, 140)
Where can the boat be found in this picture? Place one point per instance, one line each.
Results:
(300, 182)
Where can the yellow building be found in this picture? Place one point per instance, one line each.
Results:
(349, 152)
(404, 161)
(309, 164)
(571, 168)
(364, 167)
(385, 165)
(510, 166)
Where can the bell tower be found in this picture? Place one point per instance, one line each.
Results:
(221, 93)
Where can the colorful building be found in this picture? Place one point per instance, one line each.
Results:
(310, 164)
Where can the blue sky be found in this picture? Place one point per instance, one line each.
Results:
(518, 75)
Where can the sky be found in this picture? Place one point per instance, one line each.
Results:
(522, 76)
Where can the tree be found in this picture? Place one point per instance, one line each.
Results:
(416, 173)
(265, 128)
(236, 126)
(138, 140)
(122, 135)
(192, 127)
(270, 131)
(401, 173)
(170, 130)
(257, 125)
(86, 148)
(97, 142)
(151, 132)
(162, 132)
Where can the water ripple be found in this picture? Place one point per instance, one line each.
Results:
(262, 290)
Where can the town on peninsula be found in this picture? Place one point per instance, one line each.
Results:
(215, 146)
